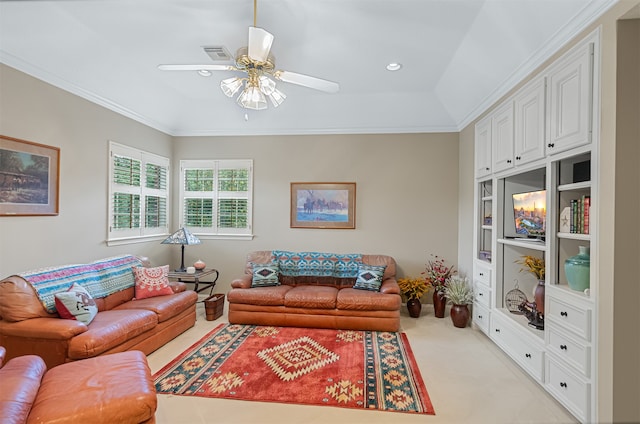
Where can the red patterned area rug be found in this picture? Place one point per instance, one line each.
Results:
(343, 368)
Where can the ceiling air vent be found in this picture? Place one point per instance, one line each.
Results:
(218, 53)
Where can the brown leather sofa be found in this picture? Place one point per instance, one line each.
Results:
(316, 301)
(121, 324)
(114, 388)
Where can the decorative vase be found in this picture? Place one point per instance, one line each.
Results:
(460, 315)
(439, 304)
(199, 265)
(576, 268)
(538, 296)
(414, 306)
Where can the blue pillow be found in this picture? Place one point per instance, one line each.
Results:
(369, 277)
(265, 275)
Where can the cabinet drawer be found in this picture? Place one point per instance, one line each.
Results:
(482, 295)
(569, 350)
(482, 274)
(570, 317)
(516, 345)
(481, 317)
(569, 389)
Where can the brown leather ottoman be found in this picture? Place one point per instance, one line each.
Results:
(115, 388)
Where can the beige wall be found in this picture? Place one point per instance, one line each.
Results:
(407, 187)
(406, 197)
(35, 111)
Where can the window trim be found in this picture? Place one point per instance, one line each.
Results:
(141, 233)
(216, 165)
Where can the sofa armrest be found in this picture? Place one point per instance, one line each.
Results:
(177, 286)
(21, 378)
(43, 328)
(390, 286)
(243, 282)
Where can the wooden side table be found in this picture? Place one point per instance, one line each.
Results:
(196, 278)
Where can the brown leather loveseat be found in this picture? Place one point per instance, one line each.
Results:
(109, 389)
(122, 323)
(311, 289)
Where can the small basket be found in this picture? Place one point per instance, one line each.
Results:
(214, 306)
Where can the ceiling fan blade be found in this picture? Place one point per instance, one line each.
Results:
(259, 44)
(196, 67)
(307, 81)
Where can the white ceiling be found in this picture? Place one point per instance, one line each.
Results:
(458, 57)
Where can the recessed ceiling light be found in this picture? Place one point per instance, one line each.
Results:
(204, 73)
(394, 66)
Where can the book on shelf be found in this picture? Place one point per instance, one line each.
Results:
(579, 217)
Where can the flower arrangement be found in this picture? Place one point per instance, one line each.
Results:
(437, 273)
(413, 288)
(532, 264)
(458, 290)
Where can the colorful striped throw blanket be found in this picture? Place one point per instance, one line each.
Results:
(317, 264)
(101, 278)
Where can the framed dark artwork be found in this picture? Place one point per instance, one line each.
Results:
(323, 205)
(29, 178)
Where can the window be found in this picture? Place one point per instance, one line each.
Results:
(138, 193)
(215, 196)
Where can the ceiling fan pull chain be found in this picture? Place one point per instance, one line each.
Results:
(255, 12)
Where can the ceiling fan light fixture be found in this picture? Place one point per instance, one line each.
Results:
(230, 86)
(267, 85)
(252, 98)
(277, 97)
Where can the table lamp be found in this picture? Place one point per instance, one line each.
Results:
(182, 236)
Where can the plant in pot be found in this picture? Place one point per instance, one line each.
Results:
(535, 266)
(437, 275)
(413, 289)
(459, 293)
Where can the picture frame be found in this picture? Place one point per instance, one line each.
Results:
(29, 178)
(323, 205)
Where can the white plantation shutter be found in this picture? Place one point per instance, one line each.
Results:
(138, 193)
(216, 197)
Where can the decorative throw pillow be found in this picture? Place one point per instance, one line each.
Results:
(152, 282)
(369, 277)
(265, 275)
(76, 303)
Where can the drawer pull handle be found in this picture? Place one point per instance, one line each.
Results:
(479, 316)
(482, 274)
(563, 384)
(497, 330)
(550, 145)
(528, 355)
(563, 314)
(563, 347)
(480, 294)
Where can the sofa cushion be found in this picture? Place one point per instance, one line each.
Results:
(363, 300)
(271, 296)
(166, 307)
(369, 277)
(110, 329)
(18, 301)
(76, 303)
(265, 275)
(20, 379)
(311, 297)
(152, 282)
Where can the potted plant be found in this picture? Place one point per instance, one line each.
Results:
(413, 288)
(535, 266)
(437, 274)
(459, 293)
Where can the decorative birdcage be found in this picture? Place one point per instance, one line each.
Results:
(515, 298)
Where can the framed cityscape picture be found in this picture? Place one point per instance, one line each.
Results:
(323, 205)
(29, 178)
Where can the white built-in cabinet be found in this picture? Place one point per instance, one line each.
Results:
(537, 139)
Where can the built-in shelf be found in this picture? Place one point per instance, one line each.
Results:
(566, 289)
(584, 185)
(487, 198)
(487, 227)
(575, 236)
(523, 322)
(526, 243)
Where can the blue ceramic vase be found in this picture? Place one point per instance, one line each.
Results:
(576, 268)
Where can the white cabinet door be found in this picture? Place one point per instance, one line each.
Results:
(483, 147)
(502, 137)
(529, 105)
(570, 100)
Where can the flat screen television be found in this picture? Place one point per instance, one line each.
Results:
(529, 213)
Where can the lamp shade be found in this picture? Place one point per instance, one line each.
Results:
(182, 236)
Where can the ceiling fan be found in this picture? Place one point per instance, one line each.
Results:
(258, 63)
